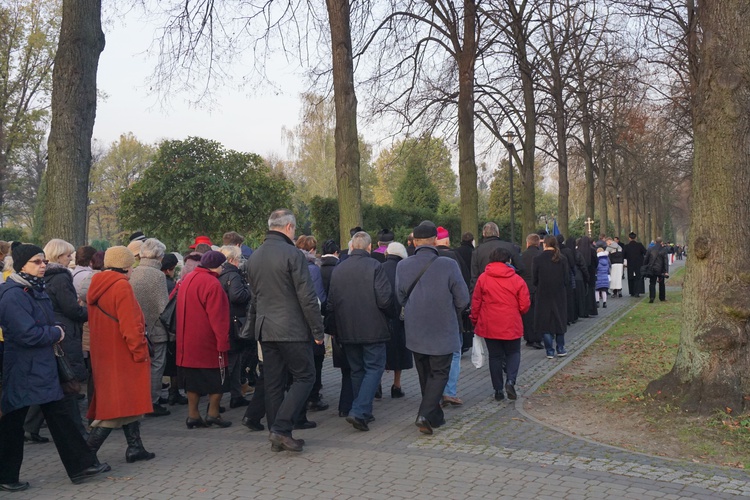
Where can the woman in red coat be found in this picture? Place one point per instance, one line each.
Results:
(500, 298)
(203, 338)
(120, 361)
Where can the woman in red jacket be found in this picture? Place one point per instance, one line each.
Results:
(500, 298)
(203, 338)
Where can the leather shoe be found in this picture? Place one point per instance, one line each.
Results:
(238, 402)
(318, 405)
(343, 414)
(499, 396)
(307, 424)
(511, 390)
(536, 345)
(252, 424)
(32, 437)
(396, 392)
(424, 425)
(280, 442)
(12, 487)
(379, 392)
(358, 423)
(177, 399)
(194, 422)
(159, 411)
(217, 421)
(90, 472)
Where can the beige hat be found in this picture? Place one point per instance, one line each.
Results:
(135, 246)
(118, 257)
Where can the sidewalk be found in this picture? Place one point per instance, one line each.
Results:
(488, 449)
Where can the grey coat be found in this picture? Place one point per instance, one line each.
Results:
(359, 296)
(150, 288)
(284, 306)
(433, 308)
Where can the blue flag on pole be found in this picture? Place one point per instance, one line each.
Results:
(555, 229)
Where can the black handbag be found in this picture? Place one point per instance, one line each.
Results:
(645, 270)
(168, 317)
(64, 369)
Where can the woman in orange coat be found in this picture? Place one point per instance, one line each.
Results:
(120, 361)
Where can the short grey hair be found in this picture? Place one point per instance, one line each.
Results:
(397, 248)
(280, 218)
(152, 249)
(231, 252)
(490, 229)
(361, 240)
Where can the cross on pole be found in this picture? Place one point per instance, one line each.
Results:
(588, 223)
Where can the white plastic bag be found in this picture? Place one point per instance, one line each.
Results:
(478, 352)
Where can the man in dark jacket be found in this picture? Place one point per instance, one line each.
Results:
(359, 295)
(432, 292)
(481, 256)
(285, 311)
(657, 261)
(634, 252)
(527, 257)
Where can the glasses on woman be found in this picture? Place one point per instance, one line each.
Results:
(39, 262)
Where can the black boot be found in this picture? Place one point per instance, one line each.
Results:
(135, 450)
(97, 436)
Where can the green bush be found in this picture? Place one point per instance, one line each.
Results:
(13, 234)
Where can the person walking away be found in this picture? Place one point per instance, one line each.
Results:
(397, 357)
(634, 253)
(533, 339)
(602, 275)
(491, 240)
(119, 353)
(30, 377)
(657, 262)
(551, 276)
(285, 312)
(360, 295)
(581, 277)
(499, 299)
(586, 247)
(432, 292)
(616, 258)
(570, 256)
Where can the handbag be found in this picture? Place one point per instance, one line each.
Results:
(408, 293)
(645, 270)
(168, 317)
(64, 369)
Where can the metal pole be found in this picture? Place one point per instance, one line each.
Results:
(619, 221)
(511, 135)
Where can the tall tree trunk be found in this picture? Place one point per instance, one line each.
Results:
(72, 124)
(602, 185)
(563, 186)
(713, 360)
(467, 168)
(588, 149)
(345, 100)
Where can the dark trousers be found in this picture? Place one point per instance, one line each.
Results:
(346, 396)
(74, 453)
(319, 354)
(591, 299)
(35, 416)
(505, 353)
(652, 280)
(235, 367)
(571, 294)
(529, 334)
(635, 283)
(296, 358)
(433, 374)
(256, 410)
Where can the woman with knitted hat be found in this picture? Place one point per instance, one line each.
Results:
(31, 377)
(120, 361)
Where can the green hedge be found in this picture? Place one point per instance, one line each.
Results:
(13, 234)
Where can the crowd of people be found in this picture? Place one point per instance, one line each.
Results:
(110, 327)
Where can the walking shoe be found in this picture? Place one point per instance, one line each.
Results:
(499, 396)
(12, 487)
(33, 437)
(551, 355)
(317, 405)
(537, 345)
(452, 401)
(89, 473)
(279, 442)
(424, 425)
(252, 424)
(159, 411)
(511, 390)
(307, 424)
(562, 353)
(238, 402)
(379, 392)
(396, 392)
(650, 301)
(604, 305)
(357, 423)
(177, 399)
(217, 421)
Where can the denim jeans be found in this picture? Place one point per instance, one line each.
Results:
(367, 362)
(559, 339)
(451, 388)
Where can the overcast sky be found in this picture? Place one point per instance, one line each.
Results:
(248, 119)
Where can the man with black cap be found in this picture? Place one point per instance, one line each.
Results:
(432, 292)
(634, 252)
(385, 237)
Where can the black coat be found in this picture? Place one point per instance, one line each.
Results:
(481, 257)
(634, 252)
(527, 257)
(236, 288)
(70, 314)
(465, 251)
(580, 268)
(358, 298)
(657, 260)
(327, 264)
(284, 306)
(551, 306)
(397, 356)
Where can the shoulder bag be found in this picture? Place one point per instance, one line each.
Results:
(408, 293)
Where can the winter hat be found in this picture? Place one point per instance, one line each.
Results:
(201, 239)
(386, 236)
(138, 235)
(135, 247)
(425, 229)
(442, 233)
(212, 259)
(397, 248)
(22, 254)
(118, 257)
(354, 230)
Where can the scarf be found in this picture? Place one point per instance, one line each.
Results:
(34, 282)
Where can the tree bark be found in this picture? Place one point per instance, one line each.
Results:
(72, 124)
(467, 168)
(346, 138)
(563, 185)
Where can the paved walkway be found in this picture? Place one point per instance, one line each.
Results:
(487, 450)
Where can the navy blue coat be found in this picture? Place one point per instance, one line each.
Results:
(29, 366)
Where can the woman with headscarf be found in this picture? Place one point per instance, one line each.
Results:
(203, 339)
(551, 276)
(586, 247)
(570, 256)
(30, 375)
(581, 276)
(397, 356)
(120, 360)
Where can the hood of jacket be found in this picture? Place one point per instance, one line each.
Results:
(101, 282)
(54, 270)
(499, 270)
